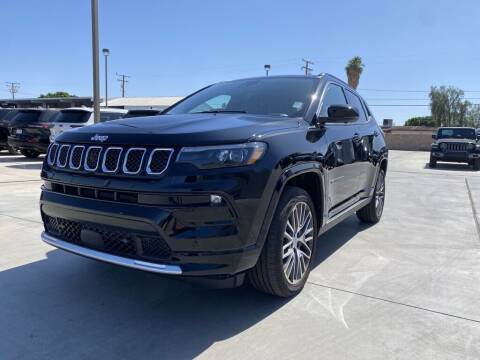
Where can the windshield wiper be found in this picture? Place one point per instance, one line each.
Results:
(220, 111)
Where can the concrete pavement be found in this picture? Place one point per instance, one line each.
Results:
(406, 288)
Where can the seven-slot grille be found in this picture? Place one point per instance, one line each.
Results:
(110, 160)
(457, 146)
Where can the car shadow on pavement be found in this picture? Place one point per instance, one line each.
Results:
(19, 158)
(66, 306)
(450, 166)
(33, 166)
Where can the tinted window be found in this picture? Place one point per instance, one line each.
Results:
(72, 116)
(137, 113)
(356, 102)
(107, 116)
(27, 116)
(265, 96)
(456, 133)
(333, 96)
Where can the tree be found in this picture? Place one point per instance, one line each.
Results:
(420, 121)
(473, 116)
(448, 106)
(354, 69)
(56, 94)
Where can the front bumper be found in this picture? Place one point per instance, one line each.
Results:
(203, 240)
(455, 156)
(28, 144)
(113, 259)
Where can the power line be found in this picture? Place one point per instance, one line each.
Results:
(12, 88)
(404, 105)
(410, 91)
(123, 81)
(306, 67)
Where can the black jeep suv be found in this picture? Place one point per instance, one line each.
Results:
(237, 179)
(30, 131)
(455, 144)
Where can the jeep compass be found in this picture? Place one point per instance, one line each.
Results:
(236, 181)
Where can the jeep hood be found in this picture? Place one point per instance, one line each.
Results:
(181, 130)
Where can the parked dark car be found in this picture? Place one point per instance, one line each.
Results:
(142, 112)
(6, 116)
(30, 131)
(456, 144)
(236, 180)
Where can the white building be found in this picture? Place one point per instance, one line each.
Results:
(153, 102)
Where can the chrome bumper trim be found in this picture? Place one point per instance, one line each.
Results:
(113, 259)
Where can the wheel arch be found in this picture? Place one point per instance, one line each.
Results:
(308, 176)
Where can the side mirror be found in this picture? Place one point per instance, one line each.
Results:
(339, 114)
(434, 136)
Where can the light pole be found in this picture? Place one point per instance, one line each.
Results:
(106, 52)
(96, 81)
(267, 68)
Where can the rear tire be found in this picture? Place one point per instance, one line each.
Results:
(372, 212)
(31, 154)
(12, 151)
(433, 162)
(476, 164)
(289, 250)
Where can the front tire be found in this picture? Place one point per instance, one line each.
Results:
(372, 212)
(433, 162)
(287, 256)
(31, 154)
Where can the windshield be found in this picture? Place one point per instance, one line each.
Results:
(266, 96)
(460, 133)
(72, 117)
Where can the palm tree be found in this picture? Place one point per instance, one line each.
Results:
(354, 69)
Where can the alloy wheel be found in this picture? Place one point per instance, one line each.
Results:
(380, 194)
(297, 242)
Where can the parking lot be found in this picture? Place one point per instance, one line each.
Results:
(406, 288)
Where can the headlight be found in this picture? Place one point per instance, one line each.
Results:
(210, 157)
(471, 146)
(443, 146)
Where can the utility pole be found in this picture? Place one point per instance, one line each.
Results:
(123, 81)
(96, 80)
(12, 88)
(306, 66)
(267, 68)
(106, 52)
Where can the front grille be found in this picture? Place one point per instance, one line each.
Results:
(117, 241)
(63, 155)
(158, 162)
(52, 153)
(111, 159)
(92, 158)
(133, 160)
(456, 146)
(127, 161)
(76, 157)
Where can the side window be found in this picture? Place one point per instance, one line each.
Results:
(333, 96)
(356, 102)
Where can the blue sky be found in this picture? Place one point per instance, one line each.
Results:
(176, 47)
